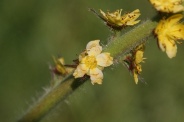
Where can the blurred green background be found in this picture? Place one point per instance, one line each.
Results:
(32, 31)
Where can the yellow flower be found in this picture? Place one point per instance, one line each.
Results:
(168, 32)
(133, 60)
(168, 6)
(115, 20)
(92, 62)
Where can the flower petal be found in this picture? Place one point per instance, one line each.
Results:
(174, 19)
(104, 59)
(171, 50)
(130, 18)
(139, 56)
(168, 46)
(80, 71)
(177, 32)
(93, 48)
(96, 76)
(168, 6)
(92, 44)
(178, 8)
(136, 79)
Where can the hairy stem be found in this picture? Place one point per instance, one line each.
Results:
(119, 45)
(49, 100)
(129, 40)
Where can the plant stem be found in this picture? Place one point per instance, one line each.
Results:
(49, 100)
(120, 44)
(129, 40)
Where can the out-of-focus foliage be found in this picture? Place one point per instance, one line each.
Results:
(32, 31)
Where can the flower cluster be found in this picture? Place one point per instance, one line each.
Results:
(92, 61)
(133, 60)
(169, 31)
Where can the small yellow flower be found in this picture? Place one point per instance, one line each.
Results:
(92, 62)
(168, 32)
(168, 6)
(115, 20)
(133, 61)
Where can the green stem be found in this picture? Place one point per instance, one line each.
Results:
(49, 100)
(119, 45)
(129, 40)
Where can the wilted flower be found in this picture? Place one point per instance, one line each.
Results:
(133, 61)
(117, 21)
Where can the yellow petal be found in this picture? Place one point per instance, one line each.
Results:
(168, 6)
(178, 8)
(80, 71)
(93, 48)
(104, 59)
(130, 18)
(139, 56)
(177, 32)
(168, 46)
(135, 77)
(92, 44)
(96, 76)
(174, 19)
(171, 50)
